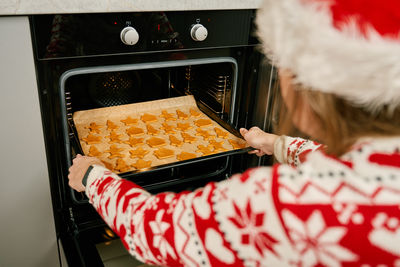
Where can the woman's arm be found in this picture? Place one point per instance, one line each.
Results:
(189, 228)
(263, 142)
(286, 149)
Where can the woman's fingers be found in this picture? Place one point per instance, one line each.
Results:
(258, 152)
(255, 151)
(254, 128)
(243, 131)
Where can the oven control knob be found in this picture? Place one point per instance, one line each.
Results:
(129, 36)
(198, 32)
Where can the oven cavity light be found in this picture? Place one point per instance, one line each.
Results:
(108, 233)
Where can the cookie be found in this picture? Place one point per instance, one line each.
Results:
(187, 138)
(183, 126)
(156, 142)
(194, 113)
(114, 137)
(129, 121)
(121, 166)
(108, 165)
(221, 133)
(205, 134)
(111, 126)
(148, 118)
(168, 129)
(182, 115)
(94, 152)
(236, 144)
(135, 141)
(164, 153)
(142, 164)
(217, 146)
(114, 152)
(205, 150)
(92, 139)
(203, 122)
(94, 128)
(151, 130)
(167, 116)
(138, 153)
(186, 155)
(175, 141)
(134, 131)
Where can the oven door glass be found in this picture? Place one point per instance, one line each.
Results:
(212, 81)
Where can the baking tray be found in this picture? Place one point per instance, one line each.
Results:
(184, 103)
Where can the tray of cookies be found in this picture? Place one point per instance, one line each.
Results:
(153, 135)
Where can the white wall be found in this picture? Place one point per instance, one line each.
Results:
(27, 233)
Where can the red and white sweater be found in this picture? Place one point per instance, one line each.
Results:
(311, 210)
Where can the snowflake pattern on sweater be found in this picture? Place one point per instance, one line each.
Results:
(310, 210)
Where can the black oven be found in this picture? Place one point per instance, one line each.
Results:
(87, 61)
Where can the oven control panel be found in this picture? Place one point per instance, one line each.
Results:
(139, 32)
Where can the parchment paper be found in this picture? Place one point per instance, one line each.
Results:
(82, 120)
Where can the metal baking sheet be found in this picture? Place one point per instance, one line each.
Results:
(83, 119)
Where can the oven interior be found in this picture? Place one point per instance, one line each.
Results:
(211, 85)
(212, 82)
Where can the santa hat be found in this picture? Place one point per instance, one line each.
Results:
(350, 48)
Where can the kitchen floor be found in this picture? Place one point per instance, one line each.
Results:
(113, 254)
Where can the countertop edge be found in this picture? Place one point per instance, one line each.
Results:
(26, 7)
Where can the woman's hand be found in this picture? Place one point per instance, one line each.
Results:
(80, 164)
(263, 142)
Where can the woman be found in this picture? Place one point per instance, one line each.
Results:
(332, 205)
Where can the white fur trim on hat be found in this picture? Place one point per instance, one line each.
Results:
(364, 70)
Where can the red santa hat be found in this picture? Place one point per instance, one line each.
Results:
(350, 48)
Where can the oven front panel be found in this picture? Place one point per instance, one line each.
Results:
(59, 151)
(100, 34)
(71, 42)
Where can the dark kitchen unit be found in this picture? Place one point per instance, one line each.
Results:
(87, 61)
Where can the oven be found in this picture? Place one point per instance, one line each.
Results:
(90, 61)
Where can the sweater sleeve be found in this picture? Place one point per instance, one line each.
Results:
(293, 151)
(189, 228)
(326, 212)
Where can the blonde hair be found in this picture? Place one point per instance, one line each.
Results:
(341, 124)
